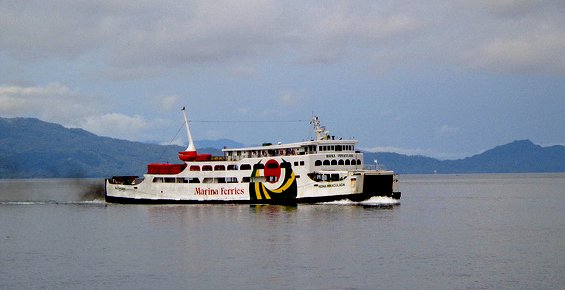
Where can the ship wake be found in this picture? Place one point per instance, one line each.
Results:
(376, 201)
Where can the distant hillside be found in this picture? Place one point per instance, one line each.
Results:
(31, 148)
(519, 156)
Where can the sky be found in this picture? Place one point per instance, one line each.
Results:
(446, 79)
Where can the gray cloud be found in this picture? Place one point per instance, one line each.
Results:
(53, 102)
(137, 39)
(71, 108)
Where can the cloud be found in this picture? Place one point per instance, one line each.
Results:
(405, 151)
(143, 39)
(447, 130)
(33, 30)
(515, 8)
(513, 36)
(168, 103)
(289, 100)
(415, 152)
(330, 33)
(53, 102)
(122, 126)
(60, 104)
(539, 52)
(199, 32)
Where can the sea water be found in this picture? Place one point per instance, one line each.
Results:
(447, 232)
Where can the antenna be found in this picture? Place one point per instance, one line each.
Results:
(321, 133)
(191, 147)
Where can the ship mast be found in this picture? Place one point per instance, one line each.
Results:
(321, 133)
(191, 147)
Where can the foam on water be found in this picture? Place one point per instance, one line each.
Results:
(373, 201)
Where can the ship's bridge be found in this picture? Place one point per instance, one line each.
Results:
(291, 149)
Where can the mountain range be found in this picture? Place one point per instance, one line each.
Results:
(521, 156)
(31, 148)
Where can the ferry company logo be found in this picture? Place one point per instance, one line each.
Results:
(273, 181)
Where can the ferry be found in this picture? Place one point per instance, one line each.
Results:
(319, 170)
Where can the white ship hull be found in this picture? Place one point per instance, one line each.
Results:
(292, 185)
(319, 170)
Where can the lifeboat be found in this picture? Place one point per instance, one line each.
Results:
(188, 155)
(165, 168)
(194, 156)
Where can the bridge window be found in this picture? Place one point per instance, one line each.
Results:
(347, 162)
(326, 162)
(194, 168)
(334, 162)
(318, 163)
(340, 162)
(353, 162)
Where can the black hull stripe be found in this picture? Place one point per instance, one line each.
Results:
(353, 197)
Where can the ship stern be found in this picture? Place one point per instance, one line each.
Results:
(381, 184)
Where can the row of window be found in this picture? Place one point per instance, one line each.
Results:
(290, 151)
(336, 148)
(337, 162)
(246, 179)
(221, 167)
(314, 176)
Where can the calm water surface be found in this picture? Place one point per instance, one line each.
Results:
(448, 232)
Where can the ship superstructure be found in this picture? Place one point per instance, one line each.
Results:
(321, 169)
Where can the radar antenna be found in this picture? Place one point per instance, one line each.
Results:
(321, 133)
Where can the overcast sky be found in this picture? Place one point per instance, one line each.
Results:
(446, 79)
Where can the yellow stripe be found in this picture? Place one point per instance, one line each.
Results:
(287, 184)
(267, 196)
(257, 191)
